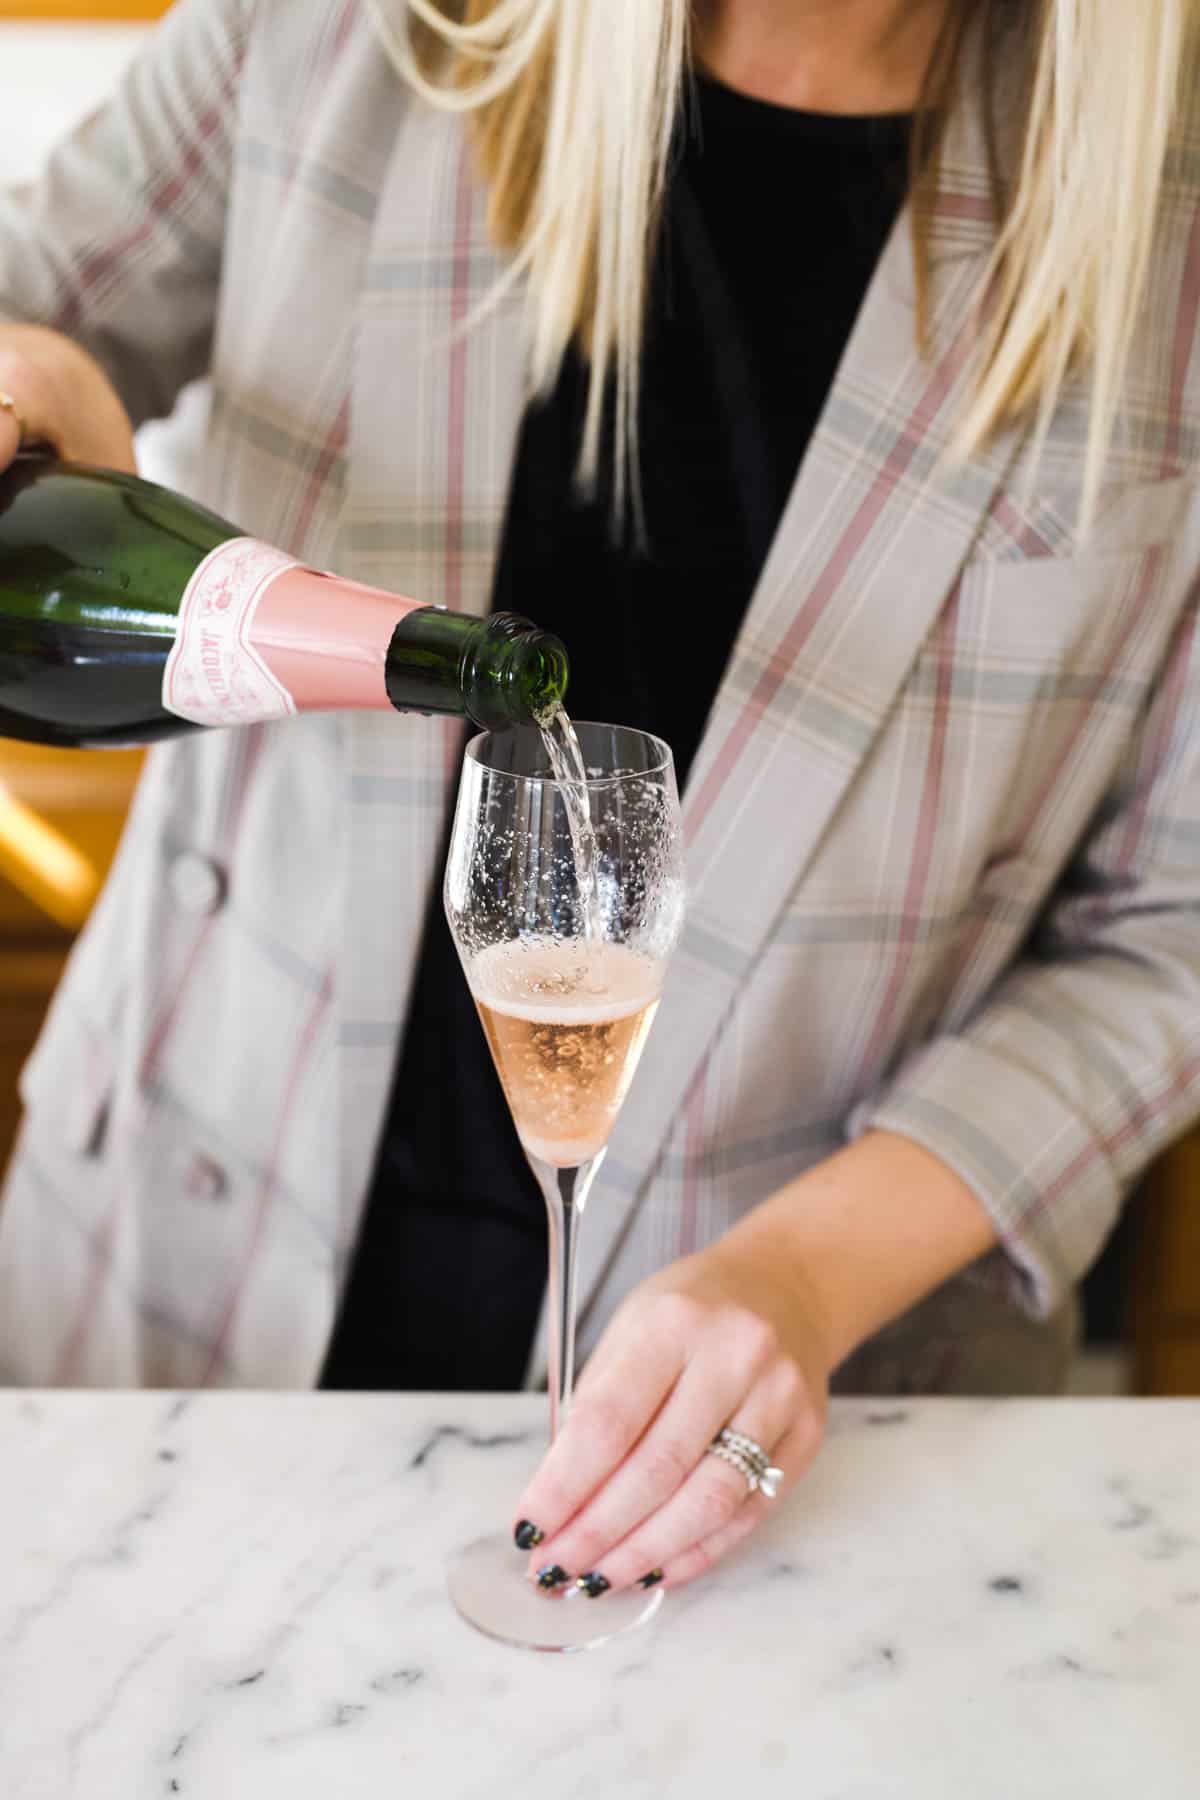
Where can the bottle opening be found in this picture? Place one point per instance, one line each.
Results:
(518, 674)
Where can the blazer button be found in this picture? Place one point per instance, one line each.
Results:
(197, 883)
(205, 1179)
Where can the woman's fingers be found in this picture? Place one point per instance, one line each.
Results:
(712, 1499)
(628, 1379)
(63, 398)
(658, 1549)
(702, 1556)
(665, 1493)
(19, 416)
(628, 1491)
(709, 1388)
(701, 1506)
(10, 428)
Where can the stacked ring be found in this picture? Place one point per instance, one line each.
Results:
(749, 1459)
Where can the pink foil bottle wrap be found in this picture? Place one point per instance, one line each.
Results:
(259, 636)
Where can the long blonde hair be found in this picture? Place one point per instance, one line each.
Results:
(574, 107)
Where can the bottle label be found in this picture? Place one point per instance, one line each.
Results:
(214, 674)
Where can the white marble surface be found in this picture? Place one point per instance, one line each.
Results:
(239, 1597)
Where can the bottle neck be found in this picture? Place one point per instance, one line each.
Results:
(500, 670)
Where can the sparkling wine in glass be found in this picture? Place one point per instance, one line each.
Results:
(565, 895)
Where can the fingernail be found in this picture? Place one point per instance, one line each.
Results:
(527, 1536)
(551, 1577)
(652, 1579)
(594, 1585)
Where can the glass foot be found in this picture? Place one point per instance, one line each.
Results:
(488, 1585)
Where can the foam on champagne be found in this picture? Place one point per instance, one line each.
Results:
(564, 983)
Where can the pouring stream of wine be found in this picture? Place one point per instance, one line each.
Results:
(566, 761)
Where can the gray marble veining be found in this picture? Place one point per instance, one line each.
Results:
(240, 1597)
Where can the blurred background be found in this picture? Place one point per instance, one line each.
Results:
(61, 812)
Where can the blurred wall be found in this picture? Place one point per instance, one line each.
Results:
(51, 75)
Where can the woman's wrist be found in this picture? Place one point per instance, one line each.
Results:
(860, 1238)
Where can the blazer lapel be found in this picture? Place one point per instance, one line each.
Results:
(872, 531)
(866, 556)
(433, 425)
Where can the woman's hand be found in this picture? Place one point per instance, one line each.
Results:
(627, 1493)
(744, 1334)
(62, 398)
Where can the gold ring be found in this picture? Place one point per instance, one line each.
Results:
(9, 405)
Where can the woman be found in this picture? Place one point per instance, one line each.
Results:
(885, 515)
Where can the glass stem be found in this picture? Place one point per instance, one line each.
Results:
(565, 1192)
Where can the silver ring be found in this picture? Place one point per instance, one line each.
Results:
(9, 405)
(735, 1459)
(749, 1459)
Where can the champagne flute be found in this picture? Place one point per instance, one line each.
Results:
(567, 982)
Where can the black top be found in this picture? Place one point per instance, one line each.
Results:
(773, 224)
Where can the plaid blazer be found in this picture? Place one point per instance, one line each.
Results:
(942, 832)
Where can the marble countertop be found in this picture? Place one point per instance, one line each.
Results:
(240, 1597)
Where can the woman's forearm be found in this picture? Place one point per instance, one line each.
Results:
(863, 1236)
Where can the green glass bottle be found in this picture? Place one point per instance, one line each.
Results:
(128, 613)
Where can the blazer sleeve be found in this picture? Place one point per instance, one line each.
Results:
(1084, 1062)
(119, 243)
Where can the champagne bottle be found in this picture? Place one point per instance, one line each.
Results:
(128, 613)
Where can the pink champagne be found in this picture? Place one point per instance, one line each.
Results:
(566, 1023)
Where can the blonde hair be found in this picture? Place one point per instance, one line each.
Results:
(574, 106)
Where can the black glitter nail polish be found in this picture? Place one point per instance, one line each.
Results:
(527, 1535)
(594, 1585)
(551, 1577)
(652, 1579)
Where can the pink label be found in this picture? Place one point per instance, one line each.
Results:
(214, 674)
(326, 639)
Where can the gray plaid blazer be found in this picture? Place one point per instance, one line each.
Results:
(942, 832)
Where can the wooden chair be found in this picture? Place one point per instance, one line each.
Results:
(1164, 1276)
(85, 12)
(82, 798)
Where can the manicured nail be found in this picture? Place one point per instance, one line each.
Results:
(527, 1536)
(652, 1579)
(551, 1577)
(594, 1585)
